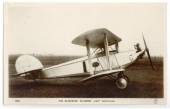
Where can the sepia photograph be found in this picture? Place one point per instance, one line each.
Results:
(84, 53)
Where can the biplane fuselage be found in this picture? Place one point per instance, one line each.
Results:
(75, 67)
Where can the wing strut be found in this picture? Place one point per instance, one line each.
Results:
(89, 56)
(107, 52)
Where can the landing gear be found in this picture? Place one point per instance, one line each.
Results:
(121, 81)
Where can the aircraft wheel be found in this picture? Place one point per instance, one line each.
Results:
(121, 83)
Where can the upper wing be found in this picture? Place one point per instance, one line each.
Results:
(96, 38)
(105, 73)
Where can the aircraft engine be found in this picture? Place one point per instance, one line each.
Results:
(27, 63)
(121, 83)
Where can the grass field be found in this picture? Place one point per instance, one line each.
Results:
(144, 82)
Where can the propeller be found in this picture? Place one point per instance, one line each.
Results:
(147, 51)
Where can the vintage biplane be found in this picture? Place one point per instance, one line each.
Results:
(105, 61)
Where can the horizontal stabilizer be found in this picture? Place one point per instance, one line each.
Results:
(14, 75)
(96, 38)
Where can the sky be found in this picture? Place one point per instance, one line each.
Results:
(49, 28)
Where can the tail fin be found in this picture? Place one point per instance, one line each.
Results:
(27, 63)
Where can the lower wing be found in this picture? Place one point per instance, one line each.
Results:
(101, 74)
